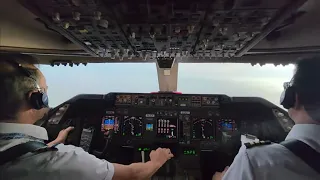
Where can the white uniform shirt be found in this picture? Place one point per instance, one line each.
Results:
(275, 162)
(69, 162)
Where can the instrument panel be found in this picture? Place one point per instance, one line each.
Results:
(189, 124)
(192, 120)
(168, 118)
(201, 120)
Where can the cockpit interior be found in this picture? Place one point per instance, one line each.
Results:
(203, 131)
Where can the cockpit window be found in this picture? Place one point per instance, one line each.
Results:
(219, 78)
(234, 79)
(66, 82)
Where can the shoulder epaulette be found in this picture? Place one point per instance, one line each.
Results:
(255, 144)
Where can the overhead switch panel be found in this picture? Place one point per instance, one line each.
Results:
(150, 29)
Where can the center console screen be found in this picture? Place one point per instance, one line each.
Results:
(167, 128)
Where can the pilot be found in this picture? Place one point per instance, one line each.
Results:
(275, 161)
(19, 111)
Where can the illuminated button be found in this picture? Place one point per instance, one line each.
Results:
(285, 120)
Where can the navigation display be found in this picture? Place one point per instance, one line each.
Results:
(132, 126)
(203, 129)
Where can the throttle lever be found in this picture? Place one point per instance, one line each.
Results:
(143, 159)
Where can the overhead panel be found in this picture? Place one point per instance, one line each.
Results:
(140, 29)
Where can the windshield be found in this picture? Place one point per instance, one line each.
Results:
(213, 78)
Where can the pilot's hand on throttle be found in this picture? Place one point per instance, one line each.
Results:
(160, 156)
(219, 175)
(63, 134)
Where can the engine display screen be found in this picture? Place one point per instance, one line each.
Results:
(167, 128)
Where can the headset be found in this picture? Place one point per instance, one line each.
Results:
(38, 99)
(288, 96)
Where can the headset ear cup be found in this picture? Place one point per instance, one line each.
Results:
(288, 98)
(38, 100)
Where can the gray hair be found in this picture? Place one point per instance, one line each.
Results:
(15, 85)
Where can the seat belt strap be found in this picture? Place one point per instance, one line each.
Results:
(22, 149)
(306, 153)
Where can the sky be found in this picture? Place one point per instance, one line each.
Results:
(233, 80)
